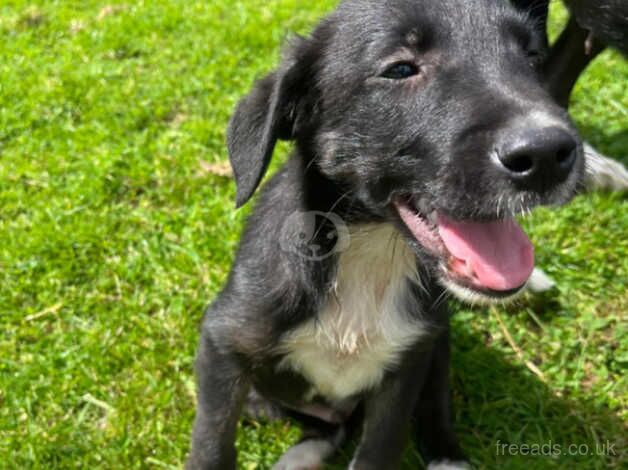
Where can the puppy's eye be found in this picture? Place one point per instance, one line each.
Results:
(535, 57)
(400, 71)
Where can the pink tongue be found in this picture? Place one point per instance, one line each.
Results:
(499, 253)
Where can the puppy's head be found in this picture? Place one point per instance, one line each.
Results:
(431, 115)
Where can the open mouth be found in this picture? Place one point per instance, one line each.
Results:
(486, 259)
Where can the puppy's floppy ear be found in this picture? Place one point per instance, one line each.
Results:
(268, 113)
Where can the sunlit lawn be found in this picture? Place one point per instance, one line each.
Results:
(117, 227)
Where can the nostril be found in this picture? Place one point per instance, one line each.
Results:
(519, 163)
(565, 157)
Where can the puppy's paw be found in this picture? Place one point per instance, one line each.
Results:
(448, 465)
(259, 408)
(307, 455)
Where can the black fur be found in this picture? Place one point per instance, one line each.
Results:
(361, 140)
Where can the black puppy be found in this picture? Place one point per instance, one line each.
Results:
(421, 128)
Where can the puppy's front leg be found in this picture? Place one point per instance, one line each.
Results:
(433, 421)
(388, 412)
(221, 390)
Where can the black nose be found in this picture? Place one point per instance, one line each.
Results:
(538, 156)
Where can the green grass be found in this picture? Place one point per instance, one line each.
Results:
(113, 237)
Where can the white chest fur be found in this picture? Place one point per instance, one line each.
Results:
(364, 327)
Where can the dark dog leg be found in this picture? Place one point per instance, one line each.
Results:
(221, 392)
(432, 416)
(388, 415)
(569, 56)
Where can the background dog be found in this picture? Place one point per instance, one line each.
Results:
(421, 129)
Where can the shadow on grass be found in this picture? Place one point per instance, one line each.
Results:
(498, 404)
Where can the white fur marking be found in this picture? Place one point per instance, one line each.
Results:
(603, 173)
(540, 282)
(448, 465)
(363, 328)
